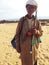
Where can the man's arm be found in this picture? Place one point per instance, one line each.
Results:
(39, 31)
(17, 35)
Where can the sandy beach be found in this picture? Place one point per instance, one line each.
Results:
(9, 56)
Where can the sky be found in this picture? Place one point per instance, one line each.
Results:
(15, 9)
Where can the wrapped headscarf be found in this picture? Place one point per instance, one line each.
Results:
(32, 2)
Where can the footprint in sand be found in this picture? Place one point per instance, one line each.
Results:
(8, 63)
(16, 63)
(9, 54)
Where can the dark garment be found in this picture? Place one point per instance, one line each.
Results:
(35, 63)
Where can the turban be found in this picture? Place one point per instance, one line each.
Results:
(32, 2)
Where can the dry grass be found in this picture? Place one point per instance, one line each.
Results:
(9, 56)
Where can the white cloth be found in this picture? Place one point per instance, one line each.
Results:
(32, 2)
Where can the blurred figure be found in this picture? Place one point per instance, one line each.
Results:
(27, 35)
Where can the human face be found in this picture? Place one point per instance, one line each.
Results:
(31, 9)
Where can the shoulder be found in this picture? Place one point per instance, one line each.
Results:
(38, 21)
(20, 21)
(22, 18)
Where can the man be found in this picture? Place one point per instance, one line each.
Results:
(28, 29)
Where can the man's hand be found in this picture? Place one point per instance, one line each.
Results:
(35, 31)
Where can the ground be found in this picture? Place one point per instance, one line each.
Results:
(9, 56)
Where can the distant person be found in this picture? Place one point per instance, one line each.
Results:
(28, 34)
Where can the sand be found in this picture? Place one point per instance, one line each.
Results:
(9, 56)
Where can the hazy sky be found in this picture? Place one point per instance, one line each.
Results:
(11, 9)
